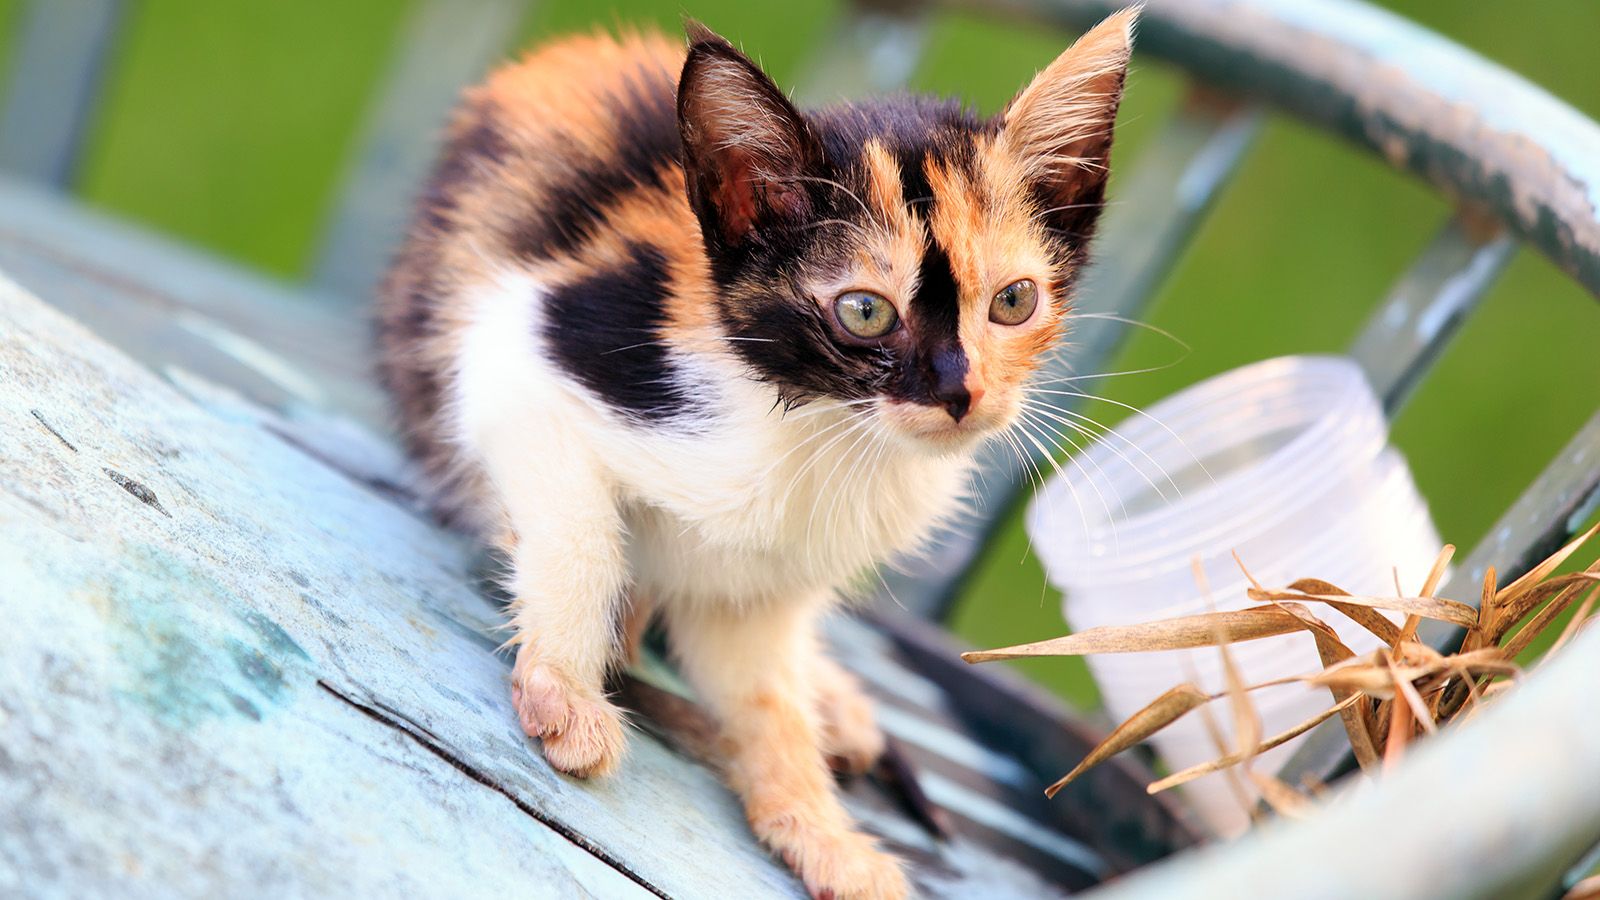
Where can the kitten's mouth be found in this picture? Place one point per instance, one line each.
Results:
(933, 427)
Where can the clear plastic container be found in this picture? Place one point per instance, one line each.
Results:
(1284, 461)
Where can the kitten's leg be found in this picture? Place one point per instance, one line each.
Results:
(568, 579)
(851, 739)
(751, 668)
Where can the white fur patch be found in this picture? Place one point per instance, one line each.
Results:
(752, 505)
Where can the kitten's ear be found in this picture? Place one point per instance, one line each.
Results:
(746, 148)
(1059, 127)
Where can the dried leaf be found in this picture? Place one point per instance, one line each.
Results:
(1331, 650)
(1488, 612)
(1180, 633)
(1408, 692)
(1284, 800)
(1491, 661)
(1408, 631)
(1542, 570)
(1383, 698)
(1426, 607)
(1587, 889)
(1577, 622)
(1158, 714)
(1517, 608)
(1400, 728)
(1240, 563)
(1557, 605)
(1371, 620)
(1246, 722)
(1317, 586)
(1366, 617)
(1436, 574)
(1187, 775)
(1372, 680)
(1236, 786)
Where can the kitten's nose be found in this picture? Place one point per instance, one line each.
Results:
(950, 384)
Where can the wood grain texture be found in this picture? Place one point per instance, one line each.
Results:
(172, 728)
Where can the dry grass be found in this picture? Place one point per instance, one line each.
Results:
(1386, 699)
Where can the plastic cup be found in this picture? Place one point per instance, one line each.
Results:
(1285, 462)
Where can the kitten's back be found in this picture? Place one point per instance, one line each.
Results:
(558, 163)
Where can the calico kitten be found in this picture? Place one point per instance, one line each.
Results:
(679, 349)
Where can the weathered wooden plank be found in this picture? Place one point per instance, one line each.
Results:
(171, 305)
(242, 738)
(1429, 304)
(1152, 214)
(62, 49)
(447, 45)
(268, 575)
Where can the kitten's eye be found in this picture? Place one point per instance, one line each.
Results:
(1014, 303)
(865, 315)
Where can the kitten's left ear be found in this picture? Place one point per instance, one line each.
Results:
(747, 150)
(1059, 127)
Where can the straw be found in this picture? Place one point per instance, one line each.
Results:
(1387, 699)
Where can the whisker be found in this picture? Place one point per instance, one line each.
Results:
(847, 420)
(1139, 412)
(831, 183)
(846, 222)
(1068, 379)
(1055, 209)
(1076, 501)
(1023, 464)
(1078, 454)
(1047, 432)
(685, 342)
(876, 448)
(1124, 320)
(1060, 415)
(830, 406)
(811, 540)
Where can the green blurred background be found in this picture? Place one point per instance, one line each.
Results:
(227, 124)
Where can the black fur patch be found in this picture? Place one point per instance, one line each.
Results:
(937, 303)
(575, 208)
(789, 343)
(909, 125)
(794, 345)
(936, 372)
(605, 331)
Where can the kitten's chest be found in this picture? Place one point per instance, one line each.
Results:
(805, 509)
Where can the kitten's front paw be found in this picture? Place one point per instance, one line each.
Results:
(837, 864)
(851, 739)
(581, 730)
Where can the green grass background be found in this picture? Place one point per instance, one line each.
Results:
(227, 124)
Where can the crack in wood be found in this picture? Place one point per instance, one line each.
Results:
(52, 429)
(399, 494)
(430, 743)
(140, 492)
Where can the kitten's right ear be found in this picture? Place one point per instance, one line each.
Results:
(747, 150)
(1060, 127)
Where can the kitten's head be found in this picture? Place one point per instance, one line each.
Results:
(903, 255)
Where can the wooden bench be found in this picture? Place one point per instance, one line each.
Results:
(239, 660)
